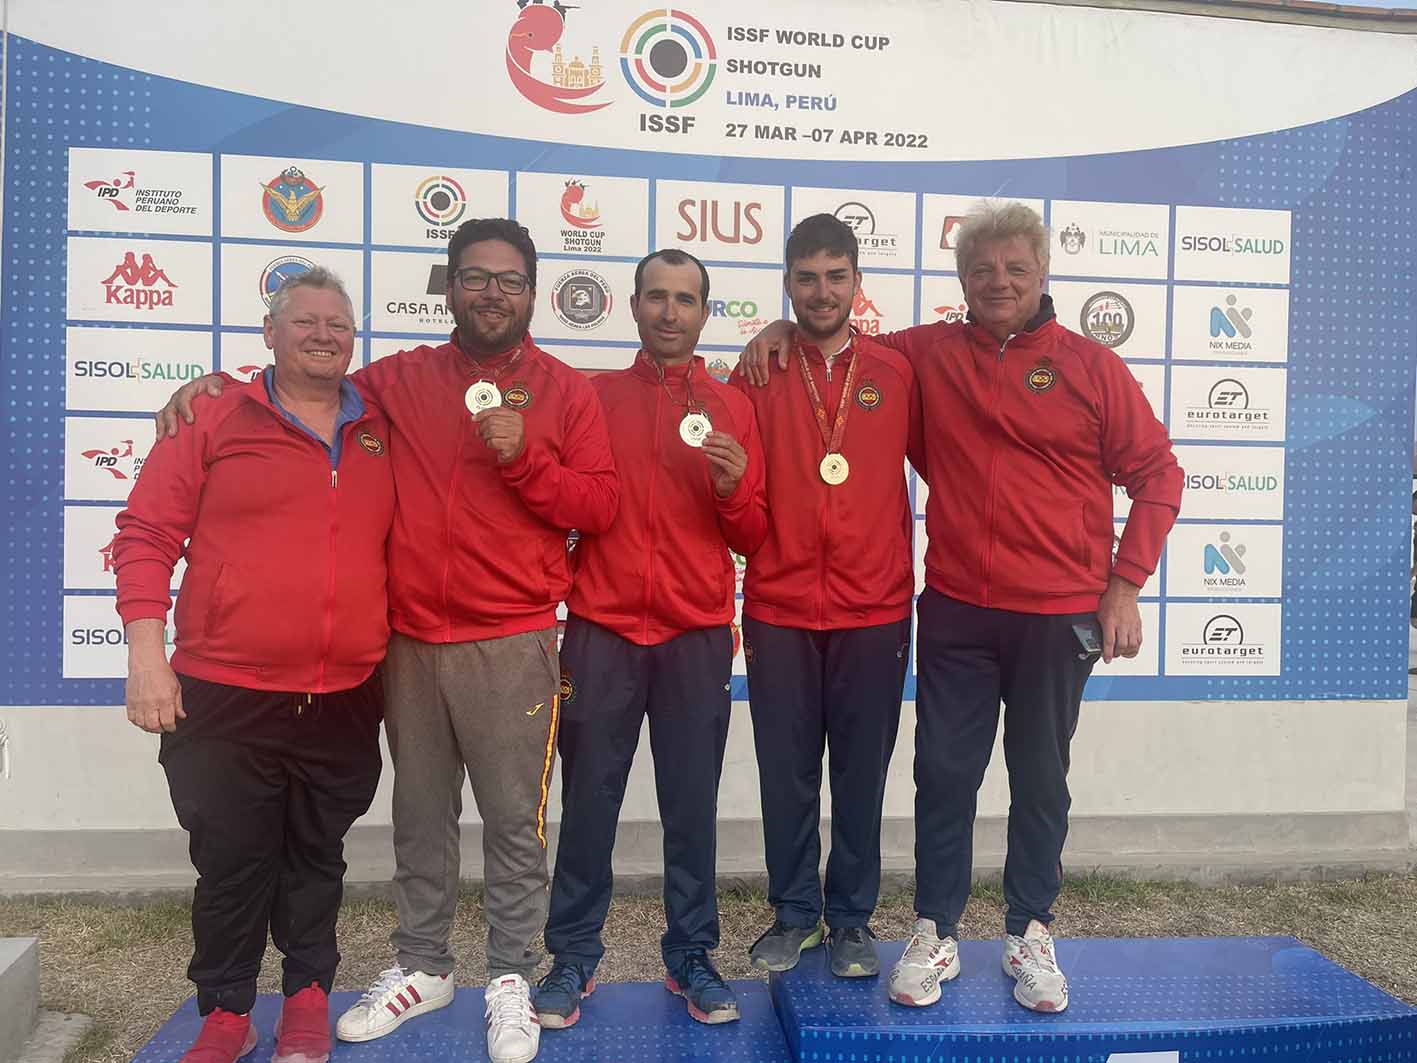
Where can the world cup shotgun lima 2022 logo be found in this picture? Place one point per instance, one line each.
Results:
(667, 57)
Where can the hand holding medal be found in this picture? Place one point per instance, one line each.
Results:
(727, 461)
(834, 468)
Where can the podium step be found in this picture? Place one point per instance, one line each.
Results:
(1168, 1000)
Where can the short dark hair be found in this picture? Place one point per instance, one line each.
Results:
(674, 257)
(478, 230)
(821, 232)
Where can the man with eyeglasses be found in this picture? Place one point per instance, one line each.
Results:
(498, 450)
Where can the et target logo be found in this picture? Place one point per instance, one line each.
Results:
(669, 60)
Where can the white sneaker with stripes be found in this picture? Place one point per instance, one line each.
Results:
(395, 996)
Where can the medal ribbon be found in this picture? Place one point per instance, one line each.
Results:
(481, 372)
(831, 437)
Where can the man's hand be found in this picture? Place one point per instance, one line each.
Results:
(1120, 619)
(179, 407)
(776, 337)
(503, 431)
(727, 460)
(153, 694)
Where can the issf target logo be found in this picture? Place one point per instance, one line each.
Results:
(668, 58)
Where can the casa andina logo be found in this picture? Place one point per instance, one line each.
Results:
(535, 41)
(668, 58)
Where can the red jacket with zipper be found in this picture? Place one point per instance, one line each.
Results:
(1021, 443)
(478, 550)
(835, 557)
(663, 567)
(285, 587)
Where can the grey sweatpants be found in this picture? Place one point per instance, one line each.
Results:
(487, 709)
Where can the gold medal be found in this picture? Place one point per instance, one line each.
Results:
(694, 427)
(834, 469)
(483, 395)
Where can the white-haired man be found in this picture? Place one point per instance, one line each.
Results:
(1025, 427)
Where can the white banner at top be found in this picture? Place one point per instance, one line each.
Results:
(925, 80)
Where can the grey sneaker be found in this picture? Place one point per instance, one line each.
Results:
(853, 952)
(781, 946)
(927, 961)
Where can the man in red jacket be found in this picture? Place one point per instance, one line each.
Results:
(648, 635)
(826, 605)
(498, 450)
(269, 712)
(1026, 428)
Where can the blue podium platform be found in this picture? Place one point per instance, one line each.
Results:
(622, 1022)
(1194, 1000)
(1166, 1000)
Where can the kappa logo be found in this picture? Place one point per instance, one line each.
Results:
(138, 285)
(1041, 377)
(518, 397)
(747, 650)
(868, 396)
(372, 443)
(105, 554)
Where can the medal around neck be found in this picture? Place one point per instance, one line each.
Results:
(834, 469)
(694, 427)
(484, 395)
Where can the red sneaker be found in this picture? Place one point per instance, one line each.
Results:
(225, 1038)
(303, 1029)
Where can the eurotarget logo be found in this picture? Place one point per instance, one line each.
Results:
(668, 58)
(1228, 404)
(1223, 640)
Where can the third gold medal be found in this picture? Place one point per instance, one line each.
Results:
(834, 468)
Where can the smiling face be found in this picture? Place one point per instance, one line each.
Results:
(822, 289)
(313, 337)
(1003, 285)
(489, 320)
(670, 310)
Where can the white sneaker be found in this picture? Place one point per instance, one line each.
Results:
(395, 996)
(927, 961)
(1039, 985)
(513, 1030)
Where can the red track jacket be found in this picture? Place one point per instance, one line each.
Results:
(478, 549)
(835, 557)
(663, 568)
(285, 586)
(1020, 444)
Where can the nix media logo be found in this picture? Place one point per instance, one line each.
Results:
(112, 191)
(1223, 559)
(137, 285)
(668, 58)
(539, 28)
(1231, 321)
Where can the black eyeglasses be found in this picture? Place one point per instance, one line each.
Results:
(511, 282)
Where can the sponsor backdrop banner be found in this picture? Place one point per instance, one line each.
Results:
(1246, 258)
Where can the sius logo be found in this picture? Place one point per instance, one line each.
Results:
(703, 220)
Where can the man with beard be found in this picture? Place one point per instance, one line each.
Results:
(498, 449)
(826, 605)
(648, 636)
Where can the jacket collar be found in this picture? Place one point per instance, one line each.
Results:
(1031, 329)
(492, 364)
(648, 368)
(814, 353)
